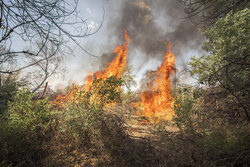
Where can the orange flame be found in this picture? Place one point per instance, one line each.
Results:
(157, 104)
(62, 100)
(115, 68)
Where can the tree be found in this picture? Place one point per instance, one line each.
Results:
(228, 62)
(42, 70)
(49, 21)
(204, 13)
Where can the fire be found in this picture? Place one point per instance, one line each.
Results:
(62, 100)
(115, 68)
(157, 104)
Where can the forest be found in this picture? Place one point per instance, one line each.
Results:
(105, 121)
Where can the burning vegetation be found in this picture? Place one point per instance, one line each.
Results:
(115, 69)
(155, 104)
(201, 124)
(158, 103)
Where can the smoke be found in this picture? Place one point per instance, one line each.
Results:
(146, 82)
(137, 18)
(149, 23)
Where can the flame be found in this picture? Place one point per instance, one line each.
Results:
(157, 104)
(115, 68)
(62, 100)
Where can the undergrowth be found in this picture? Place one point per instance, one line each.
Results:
(91, 130)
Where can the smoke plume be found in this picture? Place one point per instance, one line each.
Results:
(149, 23)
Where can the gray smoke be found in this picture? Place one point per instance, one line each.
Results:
(149, 23)
(137, 18)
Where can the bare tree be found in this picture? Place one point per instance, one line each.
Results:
(42, 70)
(204, 13)
(49, 21)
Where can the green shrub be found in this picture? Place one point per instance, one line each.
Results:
(227, 63)
(29, 114)
(81, 123)
(25, 128)
(186, 109)
(8, 87)
(107, 91)
(92, 128)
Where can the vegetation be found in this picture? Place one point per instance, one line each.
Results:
(100, 127)
(8, 87)
(228, 61)
(24, 129)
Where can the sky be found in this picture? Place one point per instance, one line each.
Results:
(149, 23)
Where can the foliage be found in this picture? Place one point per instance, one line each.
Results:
(228, 61)
(91, 128)
(81, 123)
(228, 42)
(106, 91)
(185, 109)
(202, 138)
(228, 146)
(24, 128)
(86, 123)
(85, 112)
(103, 92)
(8, 87)
(16, 145)
(29, 114)
(226, 140)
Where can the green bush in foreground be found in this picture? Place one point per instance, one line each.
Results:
(24, 128)
(29, 114)
(227, 63)
(186, 109)
(8, 87)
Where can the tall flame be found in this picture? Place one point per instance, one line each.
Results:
(115, 68)
(157, 104)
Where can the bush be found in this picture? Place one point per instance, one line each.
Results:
(25, 128)
(186, 109)
(84, 117)
(8, 87)
(202, 140)
(29, 114)
(226, 141)
(87, 127)
(81, 123)
(91, 128)
(227, 63)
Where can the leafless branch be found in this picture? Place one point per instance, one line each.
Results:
(49, 21)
